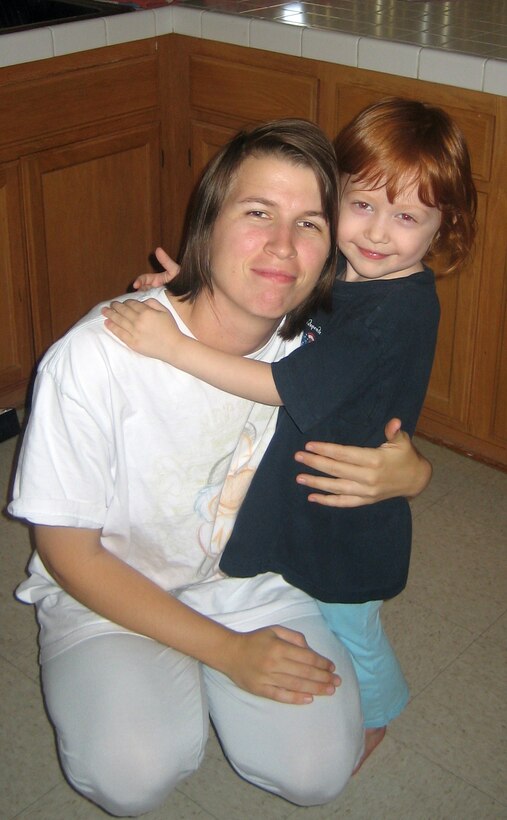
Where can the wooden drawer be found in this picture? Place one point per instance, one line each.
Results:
(60, 102)
(250, 92)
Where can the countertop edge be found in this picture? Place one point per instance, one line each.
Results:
(456, 69)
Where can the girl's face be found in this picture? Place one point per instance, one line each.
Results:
(270, 241)
(382, 239)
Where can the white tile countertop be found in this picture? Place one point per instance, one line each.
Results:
(462, 43)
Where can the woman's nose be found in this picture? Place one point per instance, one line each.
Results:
(281, 241)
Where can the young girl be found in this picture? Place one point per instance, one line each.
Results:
(406, 194)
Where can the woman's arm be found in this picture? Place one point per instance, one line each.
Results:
(274, 662)
(355, 476)
(148, 328)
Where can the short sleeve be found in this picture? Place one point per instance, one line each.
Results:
(65, 469)
(320, 377)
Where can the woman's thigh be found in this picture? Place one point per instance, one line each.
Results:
(131, 719)
(303, 753)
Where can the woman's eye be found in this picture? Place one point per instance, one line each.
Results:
(309, 225)
(259, 214)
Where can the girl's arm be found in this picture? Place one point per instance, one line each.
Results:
(155, 280)
(148, 328)
(273, 662)
(351, 476)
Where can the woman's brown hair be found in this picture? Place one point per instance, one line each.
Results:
(293, 140)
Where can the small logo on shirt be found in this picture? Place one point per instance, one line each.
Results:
(311, 333)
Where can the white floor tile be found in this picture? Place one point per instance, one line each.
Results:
(458, 721)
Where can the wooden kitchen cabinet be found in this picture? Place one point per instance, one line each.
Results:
(100, 151)
(93, 218)
(218, 88)
(16, 348)
(82, 156)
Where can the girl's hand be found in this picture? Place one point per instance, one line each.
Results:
(355, 476)
(146, 327)
(156, 280)
(277, 663)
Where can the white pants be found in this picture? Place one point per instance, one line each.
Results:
(131, 718)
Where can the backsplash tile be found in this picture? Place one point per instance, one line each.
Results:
(461, 70)
(25, 46)
(164, 20)
(79, 36)
(379, 55)
(226, 28)
(285, 39)
(124, 28)
(330, 46)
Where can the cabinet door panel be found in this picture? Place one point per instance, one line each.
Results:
(451, 377)
(93, 216)
(16, 348)
(249, 91)
(499, 404)
(206, 139)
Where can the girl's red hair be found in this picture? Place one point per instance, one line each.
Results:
(398, 142)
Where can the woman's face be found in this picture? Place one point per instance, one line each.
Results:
(270, 241)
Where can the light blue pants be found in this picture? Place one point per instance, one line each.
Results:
(383, 688)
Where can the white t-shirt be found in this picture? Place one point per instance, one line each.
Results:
(154, 458)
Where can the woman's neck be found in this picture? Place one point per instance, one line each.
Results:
(219, 329)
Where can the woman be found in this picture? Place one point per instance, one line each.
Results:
(132, 473)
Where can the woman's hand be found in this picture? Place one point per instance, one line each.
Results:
(355, 476)
(277, 663)
(156, 280)
(146, 327)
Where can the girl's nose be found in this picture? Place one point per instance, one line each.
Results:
(376, 230)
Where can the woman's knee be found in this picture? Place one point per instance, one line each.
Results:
(131, 720)
(312, 779)
(317, 782)
(133, 778)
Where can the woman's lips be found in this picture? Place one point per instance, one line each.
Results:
(275, 275)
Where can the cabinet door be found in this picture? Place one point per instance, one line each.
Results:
(206, 141)
(16, 346)
(93, 219)
(217, 89)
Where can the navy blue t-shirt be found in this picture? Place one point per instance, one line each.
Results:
(369, 360)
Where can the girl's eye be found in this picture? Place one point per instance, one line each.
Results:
(360, 205)
(406, 218)
(259, 214)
